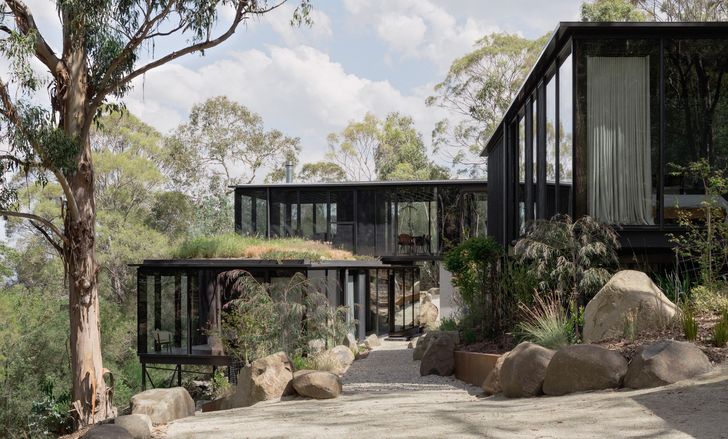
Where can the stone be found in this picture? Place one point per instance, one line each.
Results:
(163, 405)
(584, 367)
(317, 384)
(350, 342)
(316, 345)
(412, 343)
(629, 296)
(107, 431)
(424, 341)
(264, 379)
(139, 426)
(523, 370)
(491, 385)
(428, 314)
(665, 362)
(372, 341)
(417, 287)
(344, 356)
(439, 358)
(434, 292)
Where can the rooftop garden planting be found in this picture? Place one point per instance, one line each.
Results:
(244, 247)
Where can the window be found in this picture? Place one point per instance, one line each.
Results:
(696, 110)
(565, 140)
(618, 86)
(550, 146)
(521, 176)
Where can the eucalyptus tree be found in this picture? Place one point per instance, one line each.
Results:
(48, 104)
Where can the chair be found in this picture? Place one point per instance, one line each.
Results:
(162, 340)
(406, 241)
(422, 244)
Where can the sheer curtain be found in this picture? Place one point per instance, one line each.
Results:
(619, 186)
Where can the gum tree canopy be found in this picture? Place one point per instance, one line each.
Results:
(48, 103)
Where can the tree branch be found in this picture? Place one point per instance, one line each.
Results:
(37, 218)
(48, 238)
(26, 24)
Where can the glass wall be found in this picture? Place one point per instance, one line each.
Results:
(618, 90)
(696, 110)
(521, 172)
(253, 213)
(550, 147)
(565, 140)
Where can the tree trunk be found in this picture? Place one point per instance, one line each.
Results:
(91, 398)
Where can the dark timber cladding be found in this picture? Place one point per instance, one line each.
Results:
(407, 220)
(599, 122)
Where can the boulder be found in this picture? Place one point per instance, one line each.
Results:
(665, 362)
(417, 287)
(434, 291)
(317, 384)
(428, 314)
(163, 405)
(424, 341)
(629, 295)
(139, 426)
(491, 385)
(316, 345)
(439, 358)
(107, 431)
(583, 367)
(350, 342)
(264, 379)
(344, 356)
(372, 341)
(412, 343)
(523, 370)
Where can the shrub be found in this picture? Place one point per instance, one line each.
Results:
(448, 324)
(676, 288)
(689, 324)
(573, 259)
(474, 264)
(720, 333)
(546, 323)
(707, 299)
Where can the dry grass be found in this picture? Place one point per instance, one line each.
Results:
(244, 247)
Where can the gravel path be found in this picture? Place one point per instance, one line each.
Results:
(385, 397)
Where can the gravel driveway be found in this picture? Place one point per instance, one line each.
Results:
(384, 397)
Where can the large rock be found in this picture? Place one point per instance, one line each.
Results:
(139, 426)
(439, 358)
(629, 295)
(423, 342)
(350, 342)
(264, 379)
(665, 362)
(428, 313)
(317, 384)
(584, 367)
(524, 369)
(372, 341)
(163, 405)
(492, 383)
(344, 356)
(107, 431)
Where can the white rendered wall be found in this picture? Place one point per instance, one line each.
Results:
(448, 308)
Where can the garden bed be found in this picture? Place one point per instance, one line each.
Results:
(474, 367)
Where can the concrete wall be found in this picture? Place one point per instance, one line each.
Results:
(448, 307)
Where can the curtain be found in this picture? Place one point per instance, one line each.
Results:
(619, 178)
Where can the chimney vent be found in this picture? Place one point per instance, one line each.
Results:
(289, 172)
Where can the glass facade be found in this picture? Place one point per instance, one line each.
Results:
(565, 134)
(377, 220)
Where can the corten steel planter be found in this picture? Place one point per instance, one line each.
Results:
(474, 367)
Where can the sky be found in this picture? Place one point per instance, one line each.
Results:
(359, 56)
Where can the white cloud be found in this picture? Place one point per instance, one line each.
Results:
(280, 22)
(403, 33)
(298, 90)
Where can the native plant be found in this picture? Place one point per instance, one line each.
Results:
(705, 231)
(689, 323)
(261, 319)
(475, 266)
(572, 259)
(546, 322)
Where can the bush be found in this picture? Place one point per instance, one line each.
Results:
(448, 324)
(708, 300)
(474, 264)
(720, 333)
(546, 323)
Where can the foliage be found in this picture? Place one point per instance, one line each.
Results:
(221, 134)
(232, 245)
(611, 10)
(689, 323)
(448, 324)
(264, 319)
(684, 10)
(546, 323)
(50, 417)
(709, 300)
(519, 280)
(389, 149)
(475, 264)
(720, 332)
(704, 242)
(321, 172)
(573, 259)
(477, 90)
(675, 285)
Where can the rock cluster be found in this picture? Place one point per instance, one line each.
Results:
(163, 405)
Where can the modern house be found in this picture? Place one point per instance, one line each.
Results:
(606, 113)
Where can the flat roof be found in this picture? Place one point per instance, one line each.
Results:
(260, 263)
(561, 35)
(353, 184)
